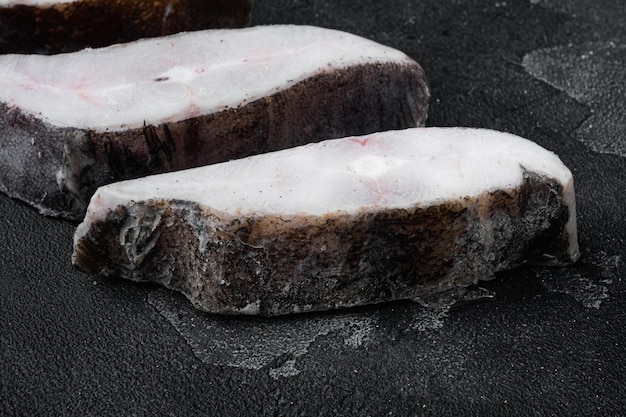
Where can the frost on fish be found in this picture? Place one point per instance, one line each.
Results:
(359, 220)
(72, 122)
(54, 26)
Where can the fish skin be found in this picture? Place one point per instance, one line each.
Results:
(273, 264)
(57, 169)
(59, 27)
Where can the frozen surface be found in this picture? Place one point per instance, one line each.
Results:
(589, 284)
(595, 74)
(274, 345)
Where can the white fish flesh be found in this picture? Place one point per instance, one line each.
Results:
(72, 122)
(359, 220)
(55, 26)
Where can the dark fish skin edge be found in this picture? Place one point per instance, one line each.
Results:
(69, 27)
(311, 263)
(59, 169)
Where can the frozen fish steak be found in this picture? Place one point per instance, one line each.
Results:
(340, 223)
(72, 122)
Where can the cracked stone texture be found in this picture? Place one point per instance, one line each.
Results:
(550, 342)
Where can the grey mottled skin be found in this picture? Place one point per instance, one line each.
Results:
(272, 265)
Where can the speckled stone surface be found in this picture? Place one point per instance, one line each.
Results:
(550, 342)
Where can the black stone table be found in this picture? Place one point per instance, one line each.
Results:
(550, 342)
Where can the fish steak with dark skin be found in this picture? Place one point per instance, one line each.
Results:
(360, 220)
(70, 123)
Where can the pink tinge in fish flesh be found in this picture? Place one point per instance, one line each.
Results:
(395, 215)
(70, 123)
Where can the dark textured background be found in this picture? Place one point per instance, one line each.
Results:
(551, 341)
